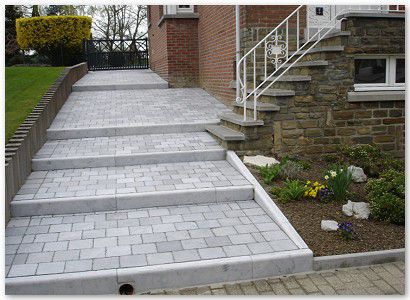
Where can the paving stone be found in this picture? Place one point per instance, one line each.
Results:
(34, 258)
(133, 260)
(106, 263)
(160, 258)
(78, 265)
(22, 270)
(50, 268)
(66, 255)
(210, 253)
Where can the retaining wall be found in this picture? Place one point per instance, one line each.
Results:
(32, 133)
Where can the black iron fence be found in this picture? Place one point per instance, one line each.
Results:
(116, 54)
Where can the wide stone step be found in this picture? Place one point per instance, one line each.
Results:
(127, 150)
(238, 120)
(111, 188)
(109, 131)
(313, 63)
(225, 133)
(320, 49)
(260, 106)
(167, 247)
(120, 80)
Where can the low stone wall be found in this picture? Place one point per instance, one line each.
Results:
(32, 133)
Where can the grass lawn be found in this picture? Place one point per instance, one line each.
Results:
(24, 88)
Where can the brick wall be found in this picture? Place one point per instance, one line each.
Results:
(173, 48)
(157, 36)
(182, 49)
(216, 29)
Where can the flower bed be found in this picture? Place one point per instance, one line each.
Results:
(309, 191)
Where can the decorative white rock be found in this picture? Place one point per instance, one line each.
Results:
(329, 225)
(360, 210)
(259, 160)
(357, 174)
(347, 209)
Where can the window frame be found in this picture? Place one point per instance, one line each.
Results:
(183, 10)
(390, 81)
(175, 9)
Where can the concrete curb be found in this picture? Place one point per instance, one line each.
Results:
(45, 164)
(176, 275)
(23, 208)
(73, 133)
(264, 200)
(358, 259)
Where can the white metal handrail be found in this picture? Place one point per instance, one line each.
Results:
(276, 47)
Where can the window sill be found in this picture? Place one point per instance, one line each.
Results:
(178, 16)
(375, 96)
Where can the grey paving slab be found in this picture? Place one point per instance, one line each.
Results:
(127, 145)
(120, 79)
(133, 245)
(68, 183)
(113, 109)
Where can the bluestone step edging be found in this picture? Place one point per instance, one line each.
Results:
(45, 164)
(263, 199)
(110, 87)
(23, 208)
(73, 133)
(174, 275)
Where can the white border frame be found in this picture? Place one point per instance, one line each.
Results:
(390, 81)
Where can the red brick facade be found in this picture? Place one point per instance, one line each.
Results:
(173, 48)
(201, 51)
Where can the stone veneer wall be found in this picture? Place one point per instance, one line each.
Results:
(320, 120)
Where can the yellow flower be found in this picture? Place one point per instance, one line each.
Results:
(326, 177)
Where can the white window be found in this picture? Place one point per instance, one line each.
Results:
(178, 9)
(185, 8)
(379, 72)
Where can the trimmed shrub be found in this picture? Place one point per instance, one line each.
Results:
(57, 37)
(386, 197)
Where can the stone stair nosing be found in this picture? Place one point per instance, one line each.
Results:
(225, 133)
(72, 133)
(238, 120)
(313, 63)
(319, 50)
(70, 205)
(289, 78)
(260, 106)
(116, 87)
(271, 91)
(45, 164)
(329, 36)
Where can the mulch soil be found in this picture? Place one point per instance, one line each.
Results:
(306, 215)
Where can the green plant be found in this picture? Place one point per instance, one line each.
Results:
(386, 197)
(338, 180)
(57, 37)
(371, 159)
(269, 172)
(306, 165)
(293, 190)
(290, 169)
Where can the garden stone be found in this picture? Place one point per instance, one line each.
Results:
(259, 160)
(347, 209)
(360, 210)
(357, 174)
(329, 225)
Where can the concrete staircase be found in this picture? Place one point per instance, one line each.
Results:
(131, 190)
(258, 136)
